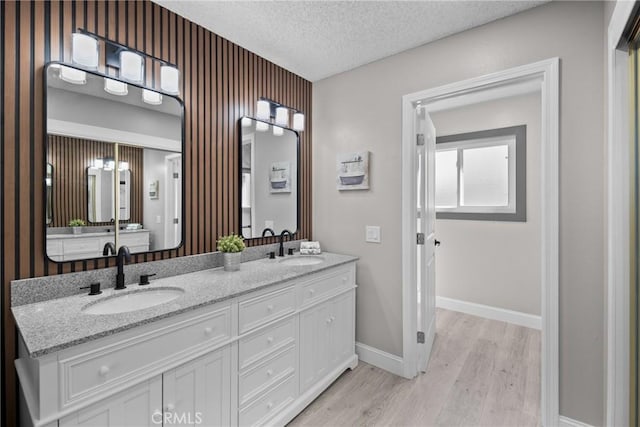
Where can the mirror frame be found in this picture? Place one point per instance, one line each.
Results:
(46, 149)
(239, 178)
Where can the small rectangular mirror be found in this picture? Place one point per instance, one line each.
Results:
(115, 161)
(269, 179)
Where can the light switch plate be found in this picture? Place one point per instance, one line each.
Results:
(372, 233)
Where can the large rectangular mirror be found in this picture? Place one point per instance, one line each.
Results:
(114, 164)
(269, 197)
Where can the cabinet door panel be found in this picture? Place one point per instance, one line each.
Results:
(197, 393)
(134, 407)
(342, 328)
(315, 342)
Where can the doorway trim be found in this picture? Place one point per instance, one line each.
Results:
(618, 205)
(540, 76)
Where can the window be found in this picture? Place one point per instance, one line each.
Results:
(482, 175)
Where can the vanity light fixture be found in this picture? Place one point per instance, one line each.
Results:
(131, 66)
(170, 79)
(98, 163)
(298, 121)
(84, 50)
(277, 131)
(123, 166)
(246, 122)
(109, 164)
(263, 112)
(282, 116)
(274, 112)
(114, 87)
(262, 126)
(151, 97)
(72, 75)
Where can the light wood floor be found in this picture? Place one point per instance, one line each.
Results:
(481, 373)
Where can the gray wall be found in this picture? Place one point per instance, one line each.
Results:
(491, 262)
(361, 110)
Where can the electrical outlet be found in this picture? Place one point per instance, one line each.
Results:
(372, 233)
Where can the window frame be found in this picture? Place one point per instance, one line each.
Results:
(517, 148)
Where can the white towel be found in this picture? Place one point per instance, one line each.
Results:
(310, 248)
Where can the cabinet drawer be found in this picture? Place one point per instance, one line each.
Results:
(260, 310)
(321, 287)
(258, 345)
(274, 401)
(81, 245)
(265, 374)
(54, 247)
(95, 371)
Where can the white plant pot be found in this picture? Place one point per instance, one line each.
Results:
(77, 230)
(231, 260)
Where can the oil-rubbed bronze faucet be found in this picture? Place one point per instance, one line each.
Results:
(123, 256)
(281, 250)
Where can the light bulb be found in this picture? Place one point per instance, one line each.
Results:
(262, 126)
(84, 50)
(131, 66)
(170, 79)
(298, 121)
(114, 87)
(282, 116)
(246, 122)
(263, 111)
(151, 97)
(278, 131)
(72, 75)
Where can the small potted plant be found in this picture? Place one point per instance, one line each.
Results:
(76, 225)
(231, 247)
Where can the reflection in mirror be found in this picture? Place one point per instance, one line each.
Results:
(268, 179)
(48, 181)
(116, 163)
(101, 197)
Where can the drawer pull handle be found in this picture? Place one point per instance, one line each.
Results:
(170, 407)
(208, 330)
(103, 371)
(311, 291)
(269, 405)
(344, 280)
(270, 372)
(269, 340)
(269, 308)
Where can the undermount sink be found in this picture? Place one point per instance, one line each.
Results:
(132, 301)
(302, 260)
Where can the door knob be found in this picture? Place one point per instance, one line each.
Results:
(436, 242)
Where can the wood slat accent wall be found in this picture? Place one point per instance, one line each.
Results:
(220, 82)
(70, 158)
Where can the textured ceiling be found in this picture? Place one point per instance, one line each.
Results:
(317, 39)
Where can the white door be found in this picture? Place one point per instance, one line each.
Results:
(426, 242)
(197, 393)
(138, 406)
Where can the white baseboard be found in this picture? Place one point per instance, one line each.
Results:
(568, 422)
(494, 313)
(381, 359)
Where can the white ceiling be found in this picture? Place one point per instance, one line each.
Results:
(317, 39)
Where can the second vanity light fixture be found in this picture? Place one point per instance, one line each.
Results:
(130, 63)
(268, 109)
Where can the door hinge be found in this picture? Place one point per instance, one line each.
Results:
(420, 337)
(420, 139)
(175, 175)
(175, 220)
(420, 239)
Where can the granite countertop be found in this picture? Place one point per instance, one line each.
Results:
(57, 324)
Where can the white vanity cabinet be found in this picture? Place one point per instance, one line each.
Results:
(130, 408)
(255, 359)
